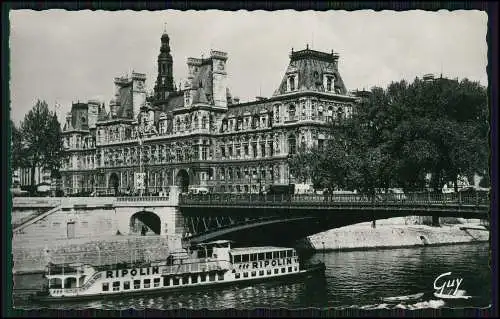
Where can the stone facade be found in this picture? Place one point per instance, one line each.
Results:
(198, 134)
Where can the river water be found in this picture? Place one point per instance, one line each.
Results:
(373, 279)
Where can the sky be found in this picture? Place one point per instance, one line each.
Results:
(68, 56)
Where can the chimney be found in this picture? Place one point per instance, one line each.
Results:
(335, 60)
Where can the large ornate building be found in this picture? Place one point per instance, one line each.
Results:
(198, 134)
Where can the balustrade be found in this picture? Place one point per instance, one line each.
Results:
(334, 199)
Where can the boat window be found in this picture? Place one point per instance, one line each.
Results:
(237, 275)
(260, 256)
(268, 271)
(245, 275)
(166, 281)
(126, 285)
(211, 277)
(137, 284)
(254, 273)
(283, 270)
(294, 253)
(194, 279)
(244, 258)
(156, 282)
(276, 255)
(261, 272)
(282, 254)
(290, 269)
(289, 253)
(105, 286)
(203, 278)
(185, 280)
(269, 255)
(295, 268)
(220, 276)
(253, 257)
(176, 281)
(276, 271)
(147, 282)
(116, 285)
(237, 258)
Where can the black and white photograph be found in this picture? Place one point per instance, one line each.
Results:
(212, 159)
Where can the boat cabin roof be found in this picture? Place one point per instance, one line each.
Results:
(215, 243)
(256, 250)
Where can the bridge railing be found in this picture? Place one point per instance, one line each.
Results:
(335, 199)
(143, 199)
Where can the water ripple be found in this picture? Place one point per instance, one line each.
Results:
(356, 279)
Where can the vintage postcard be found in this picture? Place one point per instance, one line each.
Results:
(219, 159)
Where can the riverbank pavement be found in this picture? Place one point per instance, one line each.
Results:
(364, 236)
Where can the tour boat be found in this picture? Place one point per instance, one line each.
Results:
(205, 265)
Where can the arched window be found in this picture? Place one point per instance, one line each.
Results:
(239, 123)
(303, 142)
(291, 112)
(329, 113)
(212, 122)
(292, 145)
(178, 125)
(204, 122)
(195, 121)
(329, 83)
(255, 121)
(340, 113)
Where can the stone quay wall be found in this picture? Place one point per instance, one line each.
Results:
(392, 234)
(33, 259)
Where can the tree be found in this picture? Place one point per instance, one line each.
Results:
(41, 140)
(17, 159)
(400, 134)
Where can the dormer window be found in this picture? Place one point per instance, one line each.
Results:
(329, 80)
(292, 81)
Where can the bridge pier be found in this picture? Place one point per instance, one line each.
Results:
(435, 221)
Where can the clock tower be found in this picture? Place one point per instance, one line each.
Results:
(165, 80)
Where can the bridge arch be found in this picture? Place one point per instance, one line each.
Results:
(144, 222)
(182, 180)
(114, 183)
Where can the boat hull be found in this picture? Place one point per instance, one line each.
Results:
(316, 269)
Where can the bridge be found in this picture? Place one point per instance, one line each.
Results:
(264, 219)
(245, 218)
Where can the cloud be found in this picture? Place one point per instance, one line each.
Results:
(65, 56)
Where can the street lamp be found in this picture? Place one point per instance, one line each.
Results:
(139, 141)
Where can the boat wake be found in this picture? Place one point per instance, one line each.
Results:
(411, 302)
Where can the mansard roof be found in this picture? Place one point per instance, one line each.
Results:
(202, 82)
(102, 116)
(77, 123)
(310, 65)
(175, 101)
(125, 102)
(253, 108)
